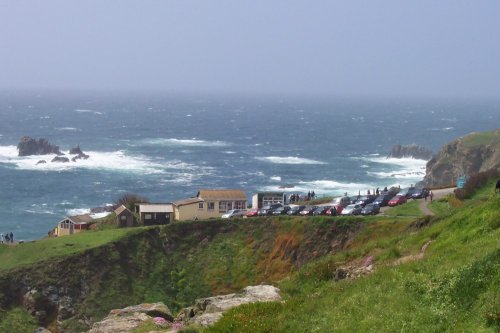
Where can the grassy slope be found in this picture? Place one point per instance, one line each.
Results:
(455, 288)
(410, 208)
(49, 248)
(482, 138)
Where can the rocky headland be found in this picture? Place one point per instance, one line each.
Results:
(468, 155)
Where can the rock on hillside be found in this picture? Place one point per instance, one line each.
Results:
(413, 150)
(29, 146)
(207, 311)
(473, 153)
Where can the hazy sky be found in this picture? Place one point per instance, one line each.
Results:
(438, 48)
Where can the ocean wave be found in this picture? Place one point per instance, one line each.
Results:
(88, 111)
(276, 178)
(409, 169)
(288, 160)
(77, 211)
(397, 174)
(322, 187)
(182, 142)
(112, 161)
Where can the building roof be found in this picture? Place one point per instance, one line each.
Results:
(122, 209)
(80, 219)
(222, 195)
(156, 208)
(189, 201)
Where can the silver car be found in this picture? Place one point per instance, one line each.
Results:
(354, 209)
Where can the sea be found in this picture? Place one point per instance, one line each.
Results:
(165, 146)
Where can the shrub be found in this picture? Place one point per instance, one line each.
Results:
(475, 182)
(129, 199)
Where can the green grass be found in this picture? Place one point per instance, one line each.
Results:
(455, 288)
(410, 208)
(440, 207)
(17, 320)
(49, 248)
(482, 138)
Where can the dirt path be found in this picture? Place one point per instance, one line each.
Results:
(423, 204)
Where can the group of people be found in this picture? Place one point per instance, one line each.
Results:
(8, 238)
(297, 197)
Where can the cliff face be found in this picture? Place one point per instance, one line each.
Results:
(467, 155)
(413, 150)
(175, 264)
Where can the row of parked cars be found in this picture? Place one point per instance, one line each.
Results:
(354, 205)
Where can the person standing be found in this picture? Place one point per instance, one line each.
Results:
(11, 237)
(431, 195)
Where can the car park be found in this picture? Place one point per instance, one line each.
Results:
(268, 209)
(397, 200)
(308, 210)
(233, 213)
(281, 210)
(364, 200)
(334, 210)
(341, 201)
(407, 192)
(321, 210)
(353, 209)
(295, 210)
(382, 200)
(370, 209)
(353, 199)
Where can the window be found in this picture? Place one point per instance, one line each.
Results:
(200, 205)
(210, 206)
(222, 207)
(147, 216)
(239, 205)
(123, 218)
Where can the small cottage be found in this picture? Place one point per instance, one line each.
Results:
(262, 199)
(152, 214)
(210, 204)
(124, 217)
(73, 225)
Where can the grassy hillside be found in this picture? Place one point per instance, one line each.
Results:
(453, 287)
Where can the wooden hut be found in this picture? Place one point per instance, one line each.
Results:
(124, 217)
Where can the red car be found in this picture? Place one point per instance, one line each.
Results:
(397, 200)
(252, 212)
(338, 207)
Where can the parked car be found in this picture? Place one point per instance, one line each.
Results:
(353, 199)
(334, 210)
(370, 209)
(233, 213)
(382, 200)
(353, 209)
(252, 212)
(281, 210)
(321, 210)
(295, 210)
(364, 200)
(420, 193)
(341, 201)
(397, 200)
(268, 209)
(308, 210)
(407, 192)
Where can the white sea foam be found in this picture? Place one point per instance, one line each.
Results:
(77, 211)
(112, 161)
(409, 169)
(88, 111)
(322, 187)
(67, 129)
(276, 178)
(288, 160)
(181, 142)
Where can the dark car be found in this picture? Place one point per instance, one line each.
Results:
(295, 210)
(281, 210)
(321, 210)
(370, 209)
(364, 200)
(308, 210)
(420, 193)
(397, 200)
(407, 192)
(354, 199)
(382, 200)
(268, 209)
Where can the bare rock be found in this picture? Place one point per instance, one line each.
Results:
(60, 159)
(150, 309)
(80, 155)
(29, 146)
(413, 150)
(42, 330)
(120, 324)
(41, 162)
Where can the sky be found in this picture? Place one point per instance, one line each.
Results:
(445, 48)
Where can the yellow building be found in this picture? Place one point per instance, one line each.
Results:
(73, 225)
(209, 204)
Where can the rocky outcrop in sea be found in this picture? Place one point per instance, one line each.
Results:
(29, 146)
(413, 151)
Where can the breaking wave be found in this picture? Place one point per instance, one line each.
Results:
(322, 187)
(288, 160)
(182, 142)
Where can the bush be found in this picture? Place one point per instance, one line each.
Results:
(129, 199)
(475, 182)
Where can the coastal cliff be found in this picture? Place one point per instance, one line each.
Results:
(413, 151)
(470, 154)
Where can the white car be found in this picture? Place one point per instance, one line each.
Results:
(233, 213)
(352, 210)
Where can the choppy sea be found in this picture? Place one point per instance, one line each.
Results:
(165, 147)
